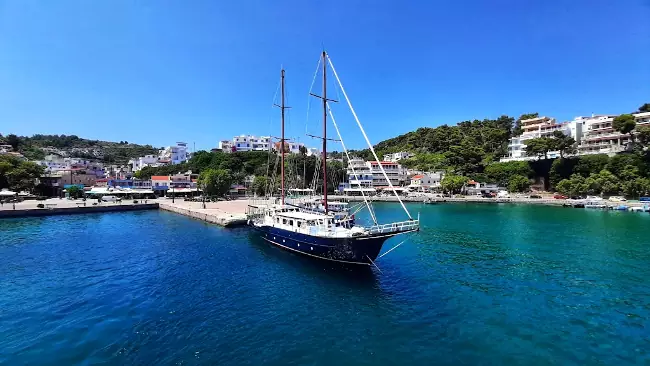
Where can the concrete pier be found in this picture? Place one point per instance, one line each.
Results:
(73, 210)
(224, 213)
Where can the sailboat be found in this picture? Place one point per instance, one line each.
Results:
(320, 234)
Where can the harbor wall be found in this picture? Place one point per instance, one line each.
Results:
(74, 210)
(223, 219)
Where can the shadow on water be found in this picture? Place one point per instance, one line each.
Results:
(355, 275)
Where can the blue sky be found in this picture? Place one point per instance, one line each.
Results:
(157, 71)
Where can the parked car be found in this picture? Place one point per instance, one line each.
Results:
(594, 198)
(109, 198)
(534, 196)
(560, 197)
(617, 199)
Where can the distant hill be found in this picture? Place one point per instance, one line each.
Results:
(37, 146)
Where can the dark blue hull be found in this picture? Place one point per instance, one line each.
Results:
(359, 250)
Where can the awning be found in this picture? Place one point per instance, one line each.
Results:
(183, 190)
(359, 190)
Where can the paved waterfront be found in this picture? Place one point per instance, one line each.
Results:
(480, 284)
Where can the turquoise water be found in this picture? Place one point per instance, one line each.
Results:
(481, 284)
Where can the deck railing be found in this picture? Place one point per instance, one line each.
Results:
(410, 225)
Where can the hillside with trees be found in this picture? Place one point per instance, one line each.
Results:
(37, 146)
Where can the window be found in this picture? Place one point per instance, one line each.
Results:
(290, 222)
(284, 221)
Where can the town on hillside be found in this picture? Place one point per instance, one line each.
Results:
(597, 154)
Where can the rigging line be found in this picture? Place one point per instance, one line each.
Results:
(395, 247)
(373, 263)
(313, 81)
(336, 127)
(372, 149)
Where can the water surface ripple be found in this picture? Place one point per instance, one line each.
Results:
(480, 285)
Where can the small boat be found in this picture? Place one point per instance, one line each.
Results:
(595, 205)
(638, 209)
(620, 208)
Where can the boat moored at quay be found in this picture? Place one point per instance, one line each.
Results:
(318, 228)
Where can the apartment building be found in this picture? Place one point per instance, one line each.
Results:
(261, 143)
(541, 127)
(601, 138)
(394, 171)
(395, 157)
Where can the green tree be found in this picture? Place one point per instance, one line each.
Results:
(516, 129)
(259, 185)
(563, 143)
(619, 162)
(13, 140)
(608, 182)
(644, 108)
(18, 175)
(637, 187)
(215, 181)
(74, 191)
(589, 164)
(539, 147)
(453, 183)
(625, 124)
(643, 135)
(574, 186)
(565, 186)
(518, 183)
(629, 173)
(501, 173)
(591, 185)
(562, 169)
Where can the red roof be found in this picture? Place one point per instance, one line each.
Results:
(159, 177)
(419, 176)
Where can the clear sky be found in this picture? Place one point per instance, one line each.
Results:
(158, 71)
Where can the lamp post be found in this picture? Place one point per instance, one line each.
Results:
(172, 183)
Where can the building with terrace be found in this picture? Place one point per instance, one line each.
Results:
(601, 138)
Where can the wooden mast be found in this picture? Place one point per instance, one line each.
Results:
(282, 108)
(324, 97)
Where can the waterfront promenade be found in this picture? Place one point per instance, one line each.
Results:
(233, 213)
(224, 213)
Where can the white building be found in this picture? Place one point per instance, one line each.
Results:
(249, 143)
(359, 173)
(54, 164)
(174, 154)
(367, 176)
(541, 127)
(601, 138)
(395, 173)
(395, 157)
(225, 145)
(261, 143)
(144, 161)
(426, 181)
